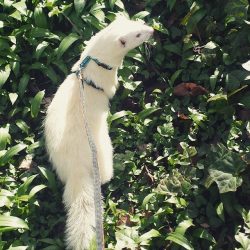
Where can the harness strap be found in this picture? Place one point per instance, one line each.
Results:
(84, 64)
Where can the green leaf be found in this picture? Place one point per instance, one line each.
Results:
(36, 189)
(18, 248)
(79, 6)
(21, 7)
(16, 15)
(146, 112)
(4, 137)
(171, 4)
(40, 18)
(195, 19)
(4, 75)
(50, 73)
(180, 240)
(50, 177)
(140, 15)
(36, 103)
(159, 26)
(236, 11)
(213, 79)
(44, 33)
(111, 4)
(225, 168)
(210, 45)
(226, 182)
(22, 86)
(66, 43)
(12, 223)
(218, 97)
(167, 130)
(150, 234)
(203, 234)
(13, 97)
(118, 115)
(220, 211)
(183, 226)
(175, 76)
(147, 199)
(96, 11)
(244, 240)
(126, 238)
(246, 65)
(24, 187)
(11, 152)
(40, 48)
(23, 126)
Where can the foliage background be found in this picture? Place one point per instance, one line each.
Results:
(181, 155)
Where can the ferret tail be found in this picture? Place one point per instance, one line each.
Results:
(80, 224)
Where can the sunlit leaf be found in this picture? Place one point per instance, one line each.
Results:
(12, 223)
(4, 75)
(11, 152)
(66, 43)
(36, 103)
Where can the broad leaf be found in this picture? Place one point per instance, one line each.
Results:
(225, 168)
(10, 153)
(180, 240)
(36, 103)
(11, 223)
(4, 75)
(66, 43)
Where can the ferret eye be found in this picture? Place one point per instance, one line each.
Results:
(138, 35)
(123, 42)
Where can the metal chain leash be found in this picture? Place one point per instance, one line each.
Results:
(96, 173)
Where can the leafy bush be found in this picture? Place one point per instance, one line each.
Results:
(181, 150)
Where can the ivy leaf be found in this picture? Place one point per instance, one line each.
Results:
(225, 168)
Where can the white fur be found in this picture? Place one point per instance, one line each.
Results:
(65, 135)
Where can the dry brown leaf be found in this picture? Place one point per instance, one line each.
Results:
(189, 89)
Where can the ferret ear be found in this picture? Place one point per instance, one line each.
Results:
(122, 41)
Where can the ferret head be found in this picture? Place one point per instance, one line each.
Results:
(130, 34)
(122, 35)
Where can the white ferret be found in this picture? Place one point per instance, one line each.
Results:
(65, 134)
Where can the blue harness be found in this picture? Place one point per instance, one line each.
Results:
(84, 64)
